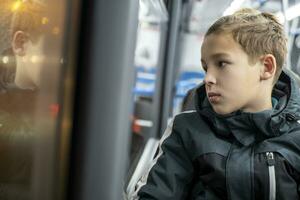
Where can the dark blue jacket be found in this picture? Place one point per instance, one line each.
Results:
(240, 156)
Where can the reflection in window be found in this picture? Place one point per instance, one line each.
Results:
(22, 28)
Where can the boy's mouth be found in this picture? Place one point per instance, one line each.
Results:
(213, 97)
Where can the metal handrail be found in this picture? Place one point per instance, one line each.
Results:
(143, 164)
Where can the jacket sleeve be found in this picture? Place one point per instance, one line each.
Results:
(171, 171)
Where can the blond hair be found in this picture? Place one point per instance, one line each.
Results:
(258, 33)
(21, 15)
(28, 17)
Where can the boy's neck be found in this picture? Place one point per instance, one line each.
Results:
(260, 109)
(259, 105)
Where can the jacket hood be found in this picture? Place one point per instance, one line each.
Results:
(251, 127)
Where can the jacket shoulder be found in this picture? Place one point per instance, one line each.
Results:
(197, 136)
(187, 119)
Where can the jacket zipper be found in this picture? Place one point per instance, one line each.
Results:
(272, 179)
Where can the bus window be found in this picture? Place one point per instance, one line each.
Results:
(149, 52)
(31, 69)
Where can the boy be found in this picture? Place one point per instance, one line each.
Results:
(243, 140)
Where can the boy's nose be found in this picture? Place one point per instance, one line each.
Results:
(209, 78)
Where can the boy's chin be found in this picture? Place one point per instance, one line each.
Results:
(222, 111)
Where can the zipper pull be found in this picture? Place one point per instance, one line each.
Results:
(270, 158)
(272, 178)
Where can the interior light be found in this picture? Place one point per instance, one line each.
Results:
(280, 17)
(34, 59)
(291, 13)
(234, 6)
(5, 59)
(16, 5)
(45, 20)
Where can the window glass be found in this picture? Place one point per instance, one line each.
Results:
(31, 71)
(148, 54)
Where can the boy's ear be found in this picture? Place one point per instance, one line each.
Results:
(19, 41)
(269, 67)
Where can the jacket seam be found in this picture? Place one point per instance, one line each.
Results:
(204, 154)
(226, 173)
(143, 180)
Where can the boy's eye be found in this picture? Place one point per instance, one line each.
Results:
(222, 64)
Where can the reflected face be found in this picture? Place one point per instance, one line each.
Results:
(34, 60)
(231, 82)
(30, 59)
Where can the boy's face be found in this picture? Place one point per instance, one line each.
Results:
(29, 58)
(231, 82)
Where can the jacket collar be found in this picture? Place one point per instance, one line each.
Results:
(248, 128)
